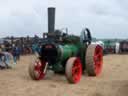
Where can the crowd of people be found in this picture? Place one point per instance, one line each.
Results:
(10, 55)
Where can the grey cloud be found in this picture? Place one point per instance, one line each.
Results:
(105, 18)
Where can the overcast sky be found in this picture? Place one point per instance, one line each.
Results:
(105, 18)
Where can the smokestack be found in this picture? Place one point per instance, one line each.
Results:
(51, 19)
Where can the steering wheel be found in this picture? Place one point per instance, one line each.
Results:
(86, 37)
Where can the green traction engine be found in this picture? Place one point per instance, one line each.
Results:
(66, 54)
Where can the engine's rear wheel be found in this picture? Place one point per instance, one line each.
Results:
(73, 70)
(36, 69)
(94, 59)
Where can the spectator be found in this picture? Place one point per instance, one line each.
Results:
(2, 47)
(18, 49)
(34, 48)
(7, 59)
(4, 59)
(1, 55)
(16, 53)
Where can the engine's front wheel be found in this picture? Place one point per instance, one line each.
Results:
(37, 69)
(73, 70)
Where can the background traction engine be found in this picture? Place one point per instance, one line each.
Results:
(68, 54)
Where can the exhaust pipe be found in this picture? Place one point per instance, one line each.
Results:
(51, 19)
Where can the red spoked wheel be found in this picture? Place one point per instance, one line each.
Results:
(94, 59)
(98, 56)
(36, 69)
(73, 70)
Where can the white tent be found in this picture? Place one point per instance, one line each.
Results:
(117, 47)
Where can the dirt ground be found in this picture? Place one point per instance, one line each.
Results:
(112, 82)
